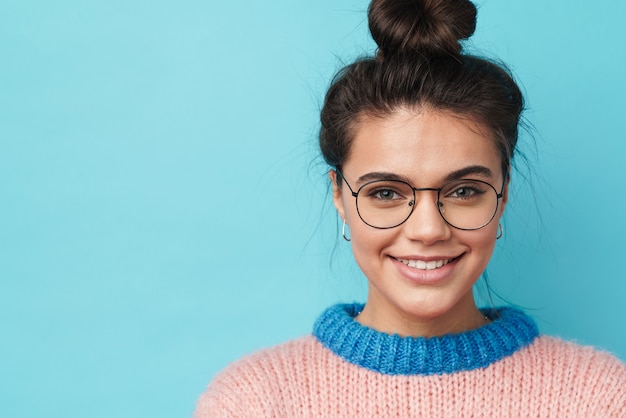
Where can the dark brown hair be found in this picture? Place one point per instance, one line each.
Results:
(420, 64)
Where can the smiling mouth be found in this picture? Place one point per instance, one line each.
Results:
(425, 265)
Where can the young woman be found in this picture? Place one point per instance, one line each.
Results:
(420, 139)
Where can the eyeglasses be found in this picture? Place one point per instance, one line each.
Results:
(465, 204)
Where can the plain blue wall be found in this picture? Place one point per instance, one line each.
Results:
(163, 210)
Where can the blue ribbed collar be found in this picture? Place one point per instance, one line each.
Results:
(509, 331)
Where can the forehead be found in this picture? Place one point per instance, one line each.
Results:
(423, 145)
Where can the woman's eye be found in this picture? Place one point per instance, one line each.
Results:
(465, 192)
(384, 194)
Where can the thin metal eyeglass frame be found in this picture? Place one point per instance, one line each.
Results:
(439, 205)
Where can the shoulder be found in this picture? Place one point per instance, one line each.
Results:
(272, 361)
(593, 379)
(250, 385)
(555, 351)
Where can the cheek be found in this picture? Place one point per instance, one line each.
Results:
(481, 242)
(368, 243)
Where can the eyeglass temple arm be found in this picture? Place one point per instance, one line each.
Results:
(337, 171)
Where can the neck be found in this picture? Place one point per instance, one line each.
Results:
(464, 316)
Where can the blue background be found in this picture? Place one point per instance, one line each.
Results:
(163, 209)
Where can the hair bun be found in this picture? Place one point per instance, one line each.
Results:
(431, 26)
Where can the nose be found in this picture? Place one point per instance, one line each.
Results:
(426, 223)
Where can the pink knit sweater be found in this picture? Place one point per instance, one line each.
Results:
(306, 378)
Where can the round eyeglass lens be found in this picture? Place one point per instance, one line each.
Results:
(385, 204)
(468, 204)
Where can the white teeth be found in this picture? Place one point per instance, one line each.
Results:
(424, 265)
(416, 264)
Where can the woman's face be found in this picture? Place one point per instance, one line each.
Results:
(422, 271)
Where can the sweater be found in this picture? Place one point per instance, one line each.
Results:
(344, 369)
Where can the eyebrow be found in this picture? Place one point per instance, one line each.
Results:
(381, 175)
(475, 170)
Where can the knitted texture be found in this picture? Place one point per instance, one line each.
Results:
(304, 378)
(391, 354)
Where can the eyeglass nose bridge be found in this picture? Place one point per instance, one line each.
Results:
(424, 189)
(438, 203)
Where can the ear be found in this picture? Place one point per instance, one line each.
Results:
(337, 194)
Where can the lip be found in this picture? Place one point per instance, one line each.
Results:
(425, 276)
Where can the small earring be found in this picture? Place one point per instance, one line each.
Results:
(500, 231)
(343, 232)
